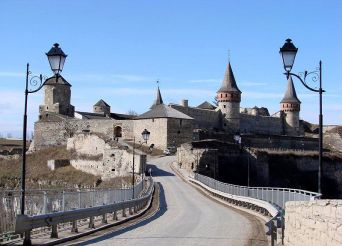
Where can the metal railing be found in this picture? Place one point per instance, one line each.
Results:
(267, 200)
(25, 224)
(40, 202)
(275, 196)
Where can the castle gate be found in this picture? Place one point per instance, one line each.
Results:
(118, 131)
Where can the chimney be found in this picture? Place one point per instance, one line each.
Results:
(184, 103)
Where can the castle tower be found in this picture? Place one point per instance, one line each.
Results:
(101, 107)
(57, 94)
(290, 105)
(229, 98)
(159, 99)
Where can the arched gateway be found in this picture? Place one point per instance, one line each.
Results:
(117, 131)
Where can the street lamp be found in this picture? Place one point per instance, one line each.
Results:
(145, 135)
(56, 59)
(288, 53)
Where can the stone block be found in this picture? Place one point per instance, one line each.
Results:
(55, 164)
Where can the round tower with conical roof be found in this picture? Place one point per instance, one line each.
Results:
(290, 105)
(229, 98)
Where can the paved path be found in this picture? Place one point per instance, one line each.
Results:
(186, 217)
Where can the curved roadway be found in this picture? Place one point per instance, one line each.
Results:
(186, 217)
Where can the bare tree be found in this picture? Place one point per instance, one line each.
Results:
(132, 112)
(215, 102)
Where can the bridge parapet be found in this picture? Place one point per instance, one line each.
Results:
(269, 201)
(101, 203)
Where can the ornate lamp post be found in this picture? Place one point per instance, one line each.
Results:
(56, 59)
(145, 135)
(288, 53)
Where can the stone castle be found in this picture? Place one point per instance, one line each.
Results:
(170, 125)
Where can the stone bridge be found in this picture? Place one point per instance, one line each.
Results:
(185, 213)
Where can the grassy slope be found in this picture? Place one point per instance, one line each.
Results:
(39, 176)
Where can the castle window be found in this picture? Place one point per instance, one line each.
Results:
(221, 95)
(224, 106)
(226, 95)
(152, 120)
(178, 132)
(180, 122)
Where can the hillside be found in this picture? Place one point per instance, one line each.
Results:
(38, 175)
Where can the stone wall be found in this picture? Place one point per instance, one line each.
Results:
(247, 120)
(157, 128)
(57, 100)
(51, 133)
(209, 157)
(55, 164)
(316, 222)
(262, 140)
(179, 131)
(261, 124)
(203, 118)
(106, 159)
(297, 170)
(165, 132)
(279, 142)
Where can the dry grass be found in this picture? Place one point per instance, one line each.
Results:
(11, 142)
(40, 176)
(332, 156)
(144, 148)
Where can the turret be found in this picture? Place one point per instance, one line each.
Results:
(229, 98)
(290, 105)
(101, 107)
(57, 94)
(159, 99)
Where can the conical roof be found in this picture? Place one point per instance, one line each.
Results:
(159, 99)
(60, 81)
(206, 105)
(101, 103)
(228, 82)
(290, 94)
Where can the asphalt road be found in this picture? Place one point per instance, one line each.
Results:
(186, 217)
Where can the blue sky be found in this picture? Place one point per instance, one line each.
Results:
(118, 49)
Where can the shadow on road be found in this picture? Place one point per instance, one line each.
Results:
(160, 212)
(156, 172)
